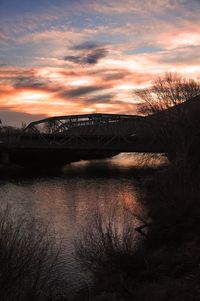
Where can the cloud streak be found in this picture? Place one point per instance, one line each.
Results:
(79, 57)
(88, 53)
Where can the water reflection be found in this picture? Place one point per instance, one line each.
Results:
(65, 201)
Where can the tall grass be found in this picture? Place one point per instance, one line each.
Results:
(165, 266)
(107, 245)
(28, 261)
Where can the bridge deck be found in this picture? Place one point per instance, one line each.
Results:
(80, 136)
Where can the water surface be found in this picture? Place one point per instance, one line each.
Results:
(64, 201)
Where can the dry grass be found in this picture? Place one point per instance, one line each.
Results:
(166, 265)
(28, 260)
(105, 245)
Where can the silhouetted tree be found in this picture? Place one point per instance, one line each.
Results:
(172, 104)
(167, 91)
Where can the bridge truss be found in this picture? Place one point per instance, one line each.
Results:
(88, 130)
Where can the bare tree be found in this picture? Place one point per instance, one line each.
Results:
(167, 91)
(172, 104)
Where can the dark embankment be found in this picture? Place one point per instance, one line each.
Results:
(165, 265)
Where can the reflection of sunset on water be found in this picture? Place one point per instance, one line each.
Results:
(65, 203)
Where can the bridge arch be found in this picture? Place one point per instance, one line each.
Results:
(61, 129)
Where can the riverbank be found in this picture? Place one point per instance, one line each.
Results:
(62, 203)
(166, 265)
(172, 245)
(160, 264)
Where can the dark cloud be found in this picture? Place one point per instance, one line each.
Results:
(29, 82)
(13, 73)
(111, 74)
(115, 75)
(88, 53)
(28, 79)
(95, 55)
(91, 58)
(86, 46)
(23, 79)
(73, 59)
(106, 98)
(69, 73)
(80, 91)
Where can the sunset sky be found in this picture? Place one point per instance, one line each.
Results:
(60, 57)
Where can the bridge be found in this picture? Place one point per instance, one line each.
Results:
(63, 139)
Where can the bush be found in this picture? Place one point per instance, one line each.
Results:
(165, 266)
(172, 198)
(28, 261)
(106, 245)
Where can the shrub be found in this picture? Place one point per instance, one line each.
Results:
(28, 261)
(106, 245)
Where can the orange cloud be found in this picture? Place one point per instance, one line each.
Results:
(107, 87)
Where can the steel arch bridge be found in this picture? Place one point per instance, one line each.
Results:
(83, 131)
(65, 139)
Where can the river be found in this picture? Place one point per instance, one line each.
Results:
(65, 200)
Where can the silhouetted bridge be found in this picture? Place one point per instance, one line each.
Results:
(63, 139)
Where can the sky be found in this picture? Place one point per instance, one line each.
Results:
(61, 57)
